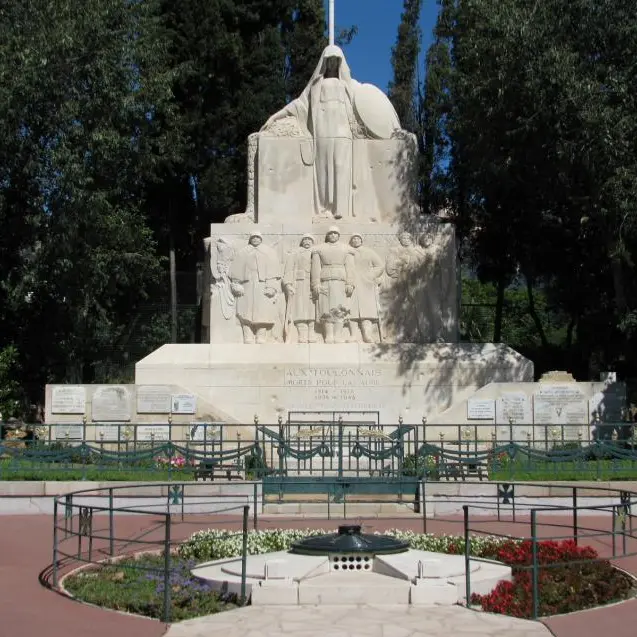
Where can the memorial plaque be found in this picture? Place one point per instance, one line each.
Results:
(609, 404)
(560, 405)
(184, 404)
(204, 431)
(107, 432)
(153, 399)
(513, 406)
(153, 433)
(111, 403)
(69, 399)
(480, 409)
(69, 432)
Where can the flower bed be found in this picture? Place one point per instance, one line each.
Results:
(570, 578)
(219, 544)
(136, 585)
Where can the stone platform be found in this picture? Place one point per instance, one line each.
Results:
(420, 578)
(270, 380)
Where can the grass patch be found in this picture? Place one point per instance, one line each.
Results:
(521, 470)
(12, 469)
(136, 585)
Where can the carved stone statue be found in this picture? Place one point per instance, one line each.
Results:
(364, 313)
(332, 111)
(401, 260)
(255, 275)
(439, 280)
(332, 281)
(300, 308)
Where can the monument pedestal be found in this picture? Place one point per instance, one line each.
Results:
(270, 380)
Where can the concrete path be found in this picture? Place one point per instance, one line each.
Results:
(355, 621)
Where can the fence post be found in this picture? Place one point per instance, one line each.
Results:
(55, 542)
(244, 554)
(467, 555)
(613, 529)
(534, 573)
(255, 520)
(423, 505)
(167, 601)
(575, 531)
(111, 523)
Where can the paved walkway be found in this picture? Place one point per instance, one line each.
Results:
(27, 609)
(355, 621)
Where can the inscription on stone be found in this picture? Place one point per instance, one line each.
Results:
(111, 404)
(107, 432)
(480, 409)
(153, 399)
(349, 387)
(69, 432)
(68, 400)
(515, 407)
(560, 405)
(184, 404)
(153, 433)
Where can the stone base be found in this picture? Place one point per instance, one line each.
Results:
(309, 580)
(271, 380)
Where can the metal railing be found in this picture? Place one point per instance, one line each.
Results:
(89, 527)
(342, 449)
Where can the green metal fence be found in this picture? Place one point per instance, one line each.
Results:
(285, 455)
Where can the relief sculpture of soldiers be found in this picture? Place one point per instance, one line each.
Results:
(255, 278)
(364, 316)
(332, 279)
(300, 309)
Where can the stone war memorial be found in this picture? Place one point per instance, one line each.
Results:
(331, 292)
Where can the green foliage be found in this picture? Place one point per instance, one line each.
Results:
(529, 109)
(136, 585)
(403, 88)
(11, 394)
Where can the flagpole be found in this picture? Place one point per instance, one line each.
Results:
(331, 21)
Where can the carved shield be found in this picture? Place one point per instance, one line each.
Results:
(307, 152)
(375, 111)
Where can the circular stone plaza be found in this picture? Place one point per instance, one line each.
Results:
(48, 535)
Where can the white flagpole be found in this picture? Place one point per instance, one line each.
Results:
(331, 21)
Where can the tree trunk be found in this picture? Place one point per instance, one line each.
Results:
(533, 312)
(173, 290)
(499, 310)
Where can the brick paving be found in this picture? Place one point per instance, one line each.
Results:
(28, 609)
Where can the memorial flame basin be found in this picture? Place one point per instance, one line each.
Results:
(350, 567)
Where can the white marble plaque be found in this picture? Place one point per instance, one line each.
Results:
(608, 404)
(513, 406)
(200, 432)
(153, 399)
(70, 399)
(107, 432)
(111, 404)
(480, 409)
(153, 433)
(184, 404)
(69, 432)
(560, 404)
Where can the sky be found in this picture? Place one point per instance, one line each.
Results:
(369, 54)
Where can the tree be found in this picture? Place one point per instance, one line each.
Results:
(80, 133)
(404, 59)
(536, 110)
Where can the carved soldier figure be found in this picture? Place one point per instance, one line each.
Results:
(296, 283)
(404, 258)
(332, 281)
(255, 275)
(364, 314)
